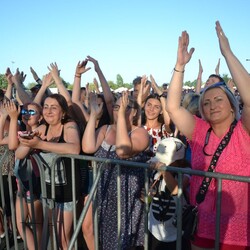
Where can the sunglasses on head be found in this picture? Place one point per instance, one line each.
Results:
(214, 85)
(28, 112)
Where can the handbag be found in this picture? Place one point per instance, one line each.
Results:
(27, 172)
(190, 212)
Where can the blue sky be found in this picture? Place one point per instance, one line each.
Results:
(129, 38)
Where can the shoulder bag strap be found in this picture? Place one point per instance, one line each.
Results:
(206, 181)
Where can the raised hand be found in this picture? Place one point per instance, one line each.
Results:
(95, 109)
(8, 76)
(155, 86)
(81, 67)
(223, 41)
(199, 80)
(217, 69)
(230, 84)
(55, 72)
(34, 74)
(183, 55)
(94, 61)
(144, 90)
(124, 102)
(96, 86)
(47, 80)
(12, 109)
(200, 68)
(18, 77)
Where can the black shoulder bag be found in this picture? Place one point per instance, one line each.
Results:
(190, 212)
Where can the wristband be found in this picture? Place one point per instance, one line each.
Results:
(38, 79)
(179, 71)
(78, 76)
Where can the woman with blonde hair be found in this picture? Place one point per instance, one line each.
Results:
(221, 128)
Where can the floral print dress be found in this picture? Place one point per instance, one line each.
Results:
(132, 209)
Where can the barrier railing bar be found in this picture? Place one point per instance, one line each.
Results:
(74, 196)
(94, 202)
(85, 209)
(119, 205)
(3, 200)
(146, 209)
(218, 214)
(179, 211)
(97, 174)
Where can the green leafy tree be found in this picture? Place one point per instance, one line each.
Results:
(119, 80)
(112, 85)
(189, 84)
(31, 85)
(225, 77)
(128, 85)
(3, 82)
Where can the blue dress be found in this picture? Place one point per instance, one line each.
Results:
(132, 209)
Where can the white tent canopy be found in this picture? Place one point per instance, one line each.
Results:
(121, 89)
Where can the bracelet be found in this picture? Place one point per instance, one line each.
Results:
(78, 76)
(38, 79)
(179, 70)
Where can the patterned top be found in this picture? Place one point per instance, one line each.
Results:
(132, 211)
(9, 163)
(156, 134)
(162, 212)
(235, 159)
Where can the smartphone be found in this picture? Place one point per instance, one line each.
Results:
(26, 135)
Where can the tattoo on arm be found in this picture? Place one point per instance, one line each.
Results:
(73, 127)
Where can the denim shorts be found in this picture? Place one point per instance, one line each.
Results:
(27, 196)
(63, 206)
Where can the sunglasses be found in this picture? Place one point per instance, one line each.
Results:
(28, 112)
(218, 84)
(116, 107)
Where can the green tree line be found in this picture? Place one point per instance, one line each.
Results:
(113, 85)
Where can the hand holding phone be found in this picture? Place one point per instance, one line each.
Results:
(27, 135)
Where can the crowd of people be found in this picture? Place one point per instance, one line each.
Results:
(159, 125)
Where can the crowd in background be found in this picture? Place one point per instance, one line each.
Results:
(37, 125)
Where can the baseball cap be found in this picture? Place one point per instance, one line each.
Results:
(169, 150)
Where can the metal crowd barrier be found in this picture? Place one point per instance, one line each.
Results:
(77, 222)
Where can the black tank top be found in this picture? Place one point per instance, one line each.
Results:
(63, 174)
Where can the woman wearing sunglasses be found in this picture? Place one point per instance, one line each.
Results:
(31, 117)
(219, 110)
(58, 135)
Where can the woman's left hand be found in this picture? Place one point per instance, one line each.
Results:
(32, 143)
